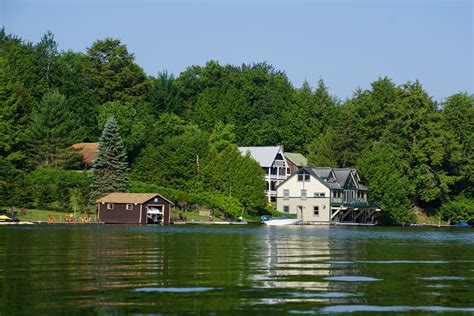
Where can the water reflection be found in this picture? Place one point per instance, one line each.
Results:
(256, 270)
(290, 254)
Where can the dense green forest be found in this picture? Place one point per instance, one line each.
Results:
(180, 134)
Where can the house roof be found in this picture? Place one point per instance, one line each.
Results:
(298, 159)
(342, 174)
(323, 172)
(323, 175)
(121, 197)
(264, 155)
(87, 150)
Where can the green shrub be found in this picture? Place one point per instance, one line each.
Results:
(227, 205)
(58, 189)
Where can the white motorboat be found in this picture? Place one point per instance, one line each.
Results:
(280, 221)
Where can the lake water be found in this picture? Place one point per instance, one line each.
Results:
(236, 270)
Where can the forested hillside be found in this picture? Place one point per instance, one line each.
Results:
(181, 134)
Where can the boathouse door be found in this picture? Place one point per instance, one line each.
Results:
(155, 214)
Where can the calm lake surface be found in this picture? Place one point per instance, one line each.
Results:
(235, 270)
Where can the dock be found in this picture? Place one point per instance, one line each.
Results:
(210, 223)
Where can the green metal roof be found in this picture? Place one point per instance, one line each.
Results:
(298, 159)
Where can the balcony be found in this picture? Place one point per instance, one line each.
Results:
(279, 163)
(351, 203)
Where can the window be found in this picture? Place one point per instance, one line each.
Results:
(288, 171)
(155, 200)
(110, 206)
(273, 185)
(286, 194)
(303, 194)
(303, 177)
(316, 210)
(129, 207)
(319, 194)
(286, 209)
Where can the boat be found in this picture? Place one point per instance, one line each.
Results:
(462, 224)
(280, 221)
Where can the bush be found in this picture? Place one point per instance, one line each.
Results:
(459, 209)
(58, 189)
(228, 205)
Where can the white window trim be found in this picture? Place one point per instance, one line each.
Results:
(305, 195)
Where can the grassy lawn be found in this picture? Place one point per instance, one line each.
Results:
(34, 215)
(422, 218)
(193, 216)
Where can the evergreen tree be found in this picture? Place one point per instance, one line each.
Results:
(322, 109)
(389, 185)
(324, 151)
(52, 130)
(459, 120)
(81, 100)
(47, 56)
(175, 162)
(109, 169)
(163, 94)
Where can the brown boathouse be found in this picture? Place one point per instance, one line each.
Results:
(134, 208)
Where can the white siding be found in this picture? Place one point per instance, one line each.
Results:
(294, 202)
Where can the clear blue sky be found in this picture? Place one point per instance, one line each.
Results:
(348, 44)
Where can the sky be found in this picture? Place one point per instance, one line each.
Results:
(348, 44)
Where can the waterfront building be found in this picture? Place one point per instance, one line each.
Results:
(295, 161)
(134, 208)
(275, 164)
(325, 195)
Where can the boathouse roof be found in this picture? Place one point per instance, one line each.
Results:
(121, 197)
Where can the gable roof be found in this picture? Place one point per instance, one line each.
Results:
(264, 155)
(88, 151)
(121, 197)
(323, 175)
(298, 159)
(342, 174)
(326, 176)
(323, 172)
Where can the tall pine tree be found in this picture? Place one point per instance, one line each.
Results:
(109, 169)
(52, 130)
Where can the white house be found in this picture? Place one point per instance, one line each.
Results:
(274, 164)
(325, 195)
